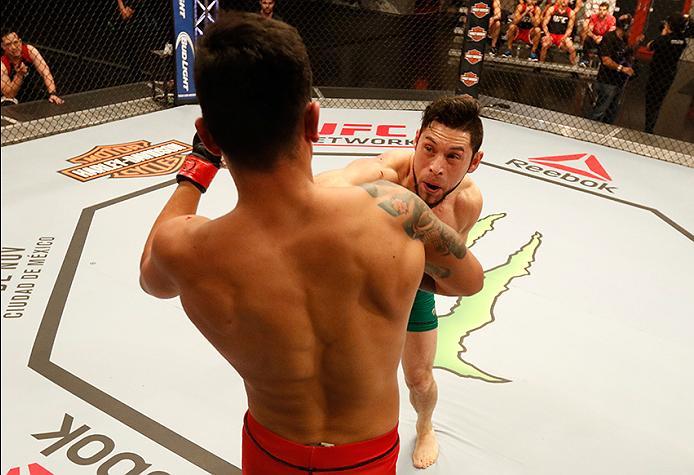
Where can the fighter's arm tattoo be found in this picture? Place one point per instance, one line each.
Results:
(420, 222)
(438, 271)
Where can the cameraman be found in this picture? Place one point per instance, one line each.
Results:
(667, 49)
(615, 70)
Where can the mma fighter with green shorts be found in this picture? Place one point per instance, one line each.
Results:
(447, 148)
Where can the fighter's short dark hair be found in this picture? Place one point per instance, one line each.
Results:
(6, 31)
(253, 82)
(457, 112)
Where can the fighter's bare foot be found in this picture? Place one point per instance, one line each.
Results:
(426, 450)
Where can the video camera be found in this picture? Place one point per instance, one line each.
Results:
(679, 24)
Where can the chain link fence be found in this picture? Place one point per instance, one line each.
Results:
(110, 59)
(541, 65)
(376, 50)
(598, 73)
(67, 65)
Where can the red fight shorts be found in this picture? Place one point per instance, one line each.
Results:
(265, 452)
(524, 36)
(556, 39)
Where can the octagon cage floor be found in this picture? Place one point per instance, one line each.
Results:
(576, 358)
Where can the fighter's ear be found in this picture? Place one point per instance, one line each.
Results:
(416, 138)
(206, 137)
(475, 162)
(311, 119)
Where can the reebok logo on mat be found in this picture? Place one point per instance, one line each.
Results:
(579, 163)
(580, 168)
(128, 160)
(34, 469)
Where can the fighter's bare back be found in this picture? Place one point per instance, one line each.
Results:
(342, 307)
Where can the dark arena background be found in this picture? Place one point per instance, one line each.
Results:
(573, 359)
(363, 53)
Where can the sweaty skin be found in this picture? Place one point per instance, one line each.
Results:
(302, 294)
(437, 170)
(440, 161)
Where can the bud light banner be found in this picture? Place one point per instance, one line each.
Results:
(475, 42)
(184, 29)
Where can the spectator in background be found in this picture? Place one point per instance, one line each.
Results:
(615, 70)
(574, 5)
(126, 12)
(267, 9)
(594, 29)
(143, 27)
(667, 49)
(525, 27)
(592, 6)
(557, 25)
(18, 59)
(495, 26)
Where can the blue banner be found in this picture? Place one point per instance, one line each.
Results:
(184, 29)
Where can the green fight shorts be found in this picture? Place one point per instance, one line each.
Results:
(423, 314)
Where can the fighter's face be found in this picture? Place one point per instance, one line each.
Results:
(562, 3)
(442, 157)
(12, 45)
(267, 6)
(602, 11)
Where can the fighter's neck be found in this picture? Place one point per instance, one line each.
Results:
(289, 182)
(410, 182)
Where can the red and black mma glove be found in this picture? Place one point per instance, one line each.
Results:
(200, 166)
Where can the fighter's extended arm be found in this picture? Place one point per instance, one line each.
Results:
(170, 239)
(428, 283)
(364, 170)
(474, 208)
(455, 271)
